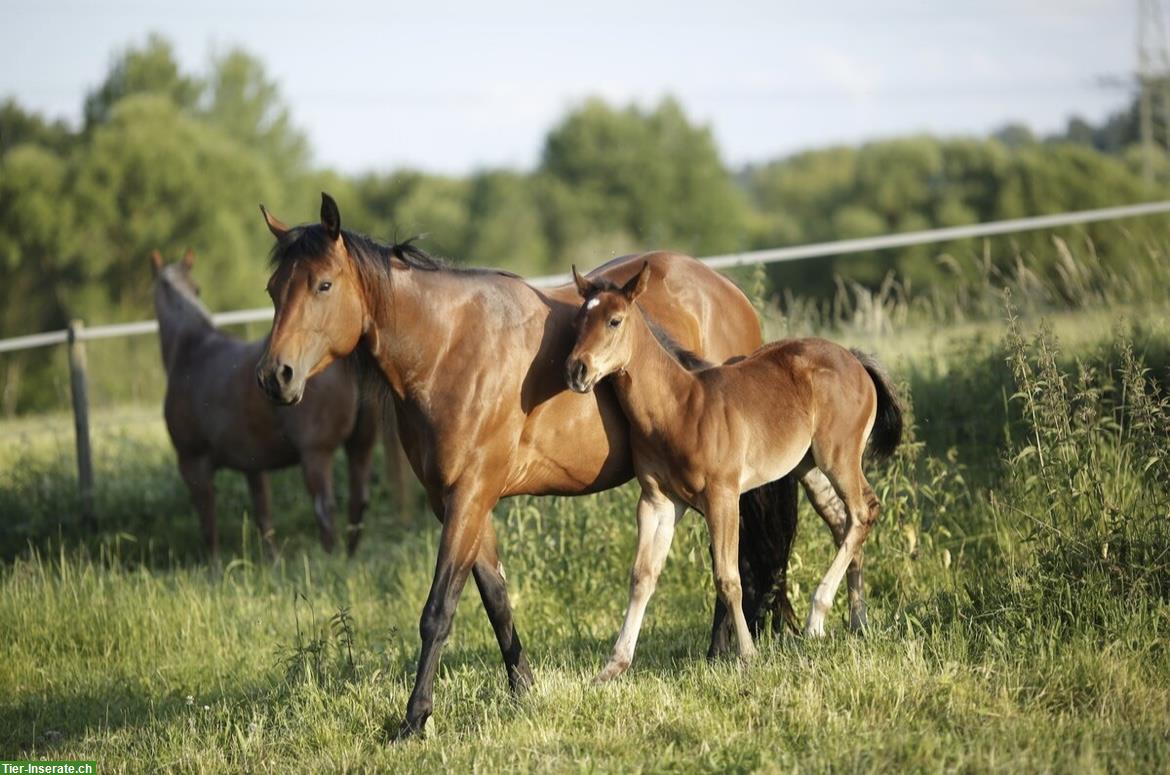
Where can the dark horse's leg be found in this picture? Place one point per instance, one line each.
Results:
(489, 577)
(767, 526)
(359, 455)
(465, 515)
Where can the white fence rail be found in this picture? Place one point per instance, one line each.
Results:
(77, 333)
(773, 255)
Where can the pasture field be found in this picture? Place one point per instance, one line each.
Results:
(1018, 587)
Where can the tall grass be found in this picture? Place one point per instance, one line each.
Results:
(1017, 588)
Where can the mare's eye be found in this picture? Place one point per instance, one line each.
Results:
(614, 322)
(324, 286)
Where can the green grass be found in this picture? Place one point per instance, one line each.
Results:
(1018, 588)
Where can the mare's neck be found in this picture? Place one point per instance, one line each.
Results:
(654, 389)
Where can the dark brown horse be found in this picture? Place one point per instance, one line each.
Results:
(475, 362)
(218, 417)
(701, 438)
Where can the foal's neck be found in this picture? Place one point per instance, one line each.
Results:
(654, 389)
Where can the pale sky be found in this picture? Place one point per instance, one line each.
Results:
(456, 86)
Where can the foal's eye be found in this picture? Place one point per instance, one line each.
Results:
(614, 322)
(324, 286)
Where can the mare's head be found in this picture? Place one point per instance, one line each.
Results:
(605, 337)
(320, 301)
(176, 294)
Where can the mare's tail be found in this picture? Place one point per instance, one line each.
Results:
(887, 425)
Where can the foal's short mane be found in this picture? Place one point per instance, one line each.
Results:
(689, 359)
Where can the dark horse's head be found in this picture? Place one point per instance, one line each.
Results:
(320, 303)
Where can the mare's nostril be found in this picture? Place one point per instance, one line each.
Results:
(286, 374)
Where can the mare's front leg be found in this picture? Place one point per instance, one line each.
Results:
(466, 511)
(657, 516)
(722, 515)
(316, 465)
(489, 577)
(262, 509)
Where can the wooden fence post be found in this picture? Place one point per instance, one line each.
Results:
(77, 387)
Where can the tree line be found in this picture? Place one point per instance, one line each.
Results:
(171, 159)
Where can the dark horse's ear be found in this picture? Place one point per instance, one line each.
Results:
(330, 216)
(637, 284)
(277, 228)
(188, 259)
(584, 287)
(156, 261)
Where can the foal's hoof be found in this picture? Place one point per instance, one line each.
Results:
(611, 671)
(815, 629)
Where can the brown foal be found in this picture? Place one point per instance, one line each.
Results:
(699, 439)
(218, 417)
(474, 362)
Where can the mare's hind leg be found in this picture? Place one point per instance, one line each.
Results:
(359, 452)
(319, 480)
(832, 509)
(489, 577)
(862, 506)
(262, 509)
(657, 516)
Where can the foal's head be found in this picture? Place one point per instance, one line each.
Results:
(605, 337)
(320, 303)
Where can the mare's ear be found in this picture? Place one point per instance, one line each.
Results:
(277, 228)
(156, 261)
(584, 287)
(637, 284)
(188, 259)
(330, 217)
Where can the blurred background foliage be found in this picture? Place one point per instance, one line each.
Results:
(173, 160)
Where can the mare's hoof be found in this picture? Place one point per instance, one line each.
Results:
(409, 730)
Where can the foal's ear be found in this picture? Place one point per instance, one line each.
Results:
(188, 259)
(156, 261)
(637, 284)
(277, 228)
(584, 287)
(330, 216)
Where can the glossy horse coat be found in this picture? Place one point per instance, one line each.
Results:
(218, 417)
(701, 438)
(474, 360)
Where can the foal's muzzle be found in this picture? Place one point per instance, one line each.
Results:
(577, 376)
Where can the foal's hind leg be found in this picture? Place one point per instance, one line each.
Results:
(657, 516)
(861, 503)
(319, 480)
(832, 509)
(262, 509)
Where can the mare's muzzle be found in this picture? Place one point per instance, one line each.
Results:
(279, 381)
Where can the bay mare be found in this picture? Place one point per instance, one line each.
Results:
(701, 438)
(218, 417)
(474, 360)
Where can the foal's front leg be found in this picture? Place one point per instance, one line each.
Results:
(657, 516)
(723, 523)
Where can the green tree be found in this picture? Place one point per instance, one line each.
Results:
(151, 69)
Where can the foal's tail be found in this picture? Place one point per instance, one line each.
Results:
(887, 425)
